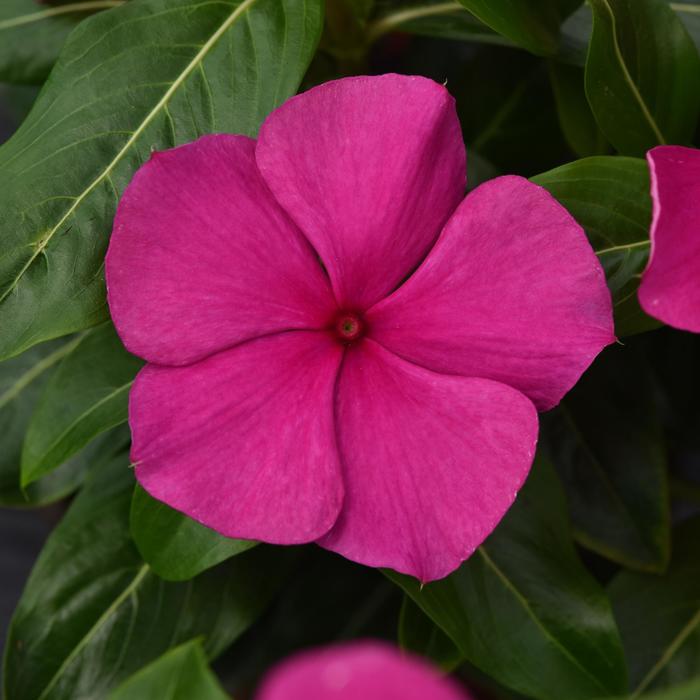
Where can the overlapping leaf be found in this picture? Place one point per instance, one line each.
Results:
(146, 75)
(31, 35)
(607, 443)
(87, 395)
(93, 612)
(524, 609)
(609, 197)
(659, 616)
(180, 674)
(642, 75)
(176, 547)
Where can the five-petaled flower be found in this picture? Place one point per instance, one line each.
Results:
(670, 286)
(365, 670)
(343, 348)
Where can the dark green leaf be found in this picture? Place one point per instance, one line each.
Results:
(610, 198)
(531, 24)
(524, 609)
(607, 443)
(180, 674)
(143, 76)
(87, 395)
(642, 75)
(689, 12)
(22, 379)
(176, 547)
(92, 612)
(575, 116)
(31, 35)
(420, 635)
(445, 20)
(659, 616)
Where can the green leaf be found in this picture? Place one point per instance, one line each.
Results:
(607, 443)
(524, 609)
(147, 75)
(659, 616)
(575, 116)
(420, 635)
(642, 75)
(609, 196)
(31, 35)
(92, 612)
(87, 395)
(180, 674)
(445, 20)
(531, 24)
(176, 547)
(689, 12)
(22, 380)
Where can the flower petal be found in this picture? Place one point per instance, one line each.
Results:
(670, 287)
(365, 670)
(202, 256)
(430, 462)
(244, 441)
(512, 291)
(369, 168)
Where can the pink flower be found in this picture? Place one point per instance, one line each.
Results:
(357, 671)
(389, 419)
(670, 287)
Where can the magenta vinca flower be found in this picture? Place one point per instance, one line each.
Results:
(670, 286)
(364, 670)
(341, 347)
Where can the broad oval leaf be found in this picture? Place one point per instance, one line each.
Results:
(31, 35)
(92, 612)
(659, 616)
(609, 197)
(180, 674)
(524, 609)
(147, 75)
(87, 395)
(642, 75)
(176, 547)
(607, 443)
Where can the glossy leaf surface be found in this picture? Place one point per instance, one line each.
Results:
(659, 616)
(144, 76)
(176, 547)
(180, 674)
(93, 612)
(607, 443)
(609, 197)
(524, 610)
(642, 75)
(87, 395)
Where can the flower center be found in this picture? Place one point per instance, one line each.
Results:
(349, 327)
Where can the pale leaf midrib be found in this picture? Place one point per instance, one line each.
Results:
(39, 368)
(133, 585)
(628, 78)
(74, 7)
(76, 421)
(531, 613)
(176, 84)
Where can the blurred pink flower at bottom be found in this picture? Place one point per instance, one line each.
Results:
(358, 671)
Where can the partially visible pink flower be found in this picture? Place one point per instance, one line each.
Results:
(670, 287)
(357, 671)
(389, 419)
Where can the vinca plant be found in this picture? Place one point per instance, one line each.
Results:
(351, 348)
